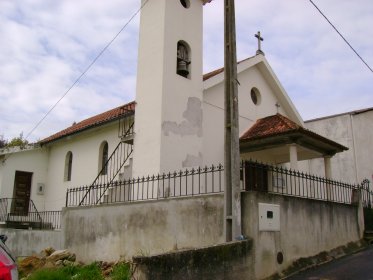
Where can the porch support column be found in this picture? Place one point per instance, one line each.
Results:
(293, 156)
(328, 176)
(328, 167)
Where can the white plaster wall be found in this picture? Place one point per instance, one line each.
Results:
(354, 131)
(363, 135)
(24, 243)
(169, 139)
(34, 161)
(307, 228)
(213, 102)
(85, 166)
(149, 88)
(109, 232)
(182, 101)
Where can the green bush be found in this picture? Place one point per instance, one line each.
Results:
(121, 271)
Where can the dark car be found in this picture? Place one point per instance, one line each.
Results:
(8, 266)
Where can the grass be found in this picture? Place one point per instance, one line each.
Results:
(121, 271)
(91, 272)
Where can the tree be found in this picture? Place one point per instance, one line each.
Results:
(17, 142)
(3, 142)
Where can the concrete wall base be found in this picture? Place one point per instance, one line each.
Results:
(29, 242)
(221, 262)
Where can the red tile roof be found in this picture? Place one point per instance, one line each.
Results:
(212, 74)
(279, 125)
(220, 70)
(271, 125)
(108, 116)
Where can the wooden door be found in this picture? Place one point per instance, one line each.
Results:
(21, 193)
(256, 177)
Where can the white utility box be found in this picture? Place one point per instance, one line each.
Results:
(40, 188)
(269, 217)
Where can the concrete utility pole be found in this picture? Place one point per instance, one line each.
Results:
(232, 192)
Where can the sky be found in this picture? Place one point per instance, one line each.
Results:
(46, 45)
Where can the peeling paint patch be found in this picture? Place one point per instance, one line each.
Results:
(192, 125)
(192, 160)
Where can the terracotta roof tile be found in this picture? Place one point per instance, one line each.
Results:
(212, 74)
(99, 119)
(271, 125)
(220, 70)
(277, 125)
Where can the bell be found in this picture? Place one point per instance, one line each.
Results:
(182, 68)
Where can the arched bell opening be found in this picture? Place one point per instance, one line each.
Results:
(183, 59)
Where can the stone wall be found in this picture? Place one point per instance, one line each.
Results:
(307, 227)
(222, 262)
(28, 242)
(108, 232)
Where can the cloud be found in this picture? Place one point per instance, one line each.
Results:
(47, 44)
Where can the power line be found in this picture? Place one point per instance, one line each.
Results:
(87, 69)
(344, 39)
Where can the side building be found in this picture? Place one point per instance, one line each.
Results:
(354, 130)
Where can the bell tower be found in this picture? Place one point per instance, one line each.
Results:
(168, 118)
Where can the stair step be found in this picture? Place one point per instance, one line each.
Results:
(22, 224)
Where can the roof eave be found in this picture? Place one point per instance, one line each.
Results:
(300, 136)
(128, 114)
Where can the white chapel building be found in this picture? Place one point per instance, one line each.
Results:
(175, 123)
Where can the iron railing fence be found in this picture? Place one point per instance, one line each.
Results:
(255, 176)
(126, 127)
(50, 219)
(13, 209)
(191, 182)
(15, 212)
(279, 180)
(366, 194)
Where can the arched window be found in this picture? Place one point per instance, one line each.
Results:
(68, 166)
(185, 3)
(183, 59)
(103, 157)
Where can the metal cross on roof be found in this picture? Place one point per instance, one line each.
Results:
(259, 51)
(277, 107)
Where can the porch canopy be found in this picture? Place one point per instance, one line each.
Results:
(285, 141)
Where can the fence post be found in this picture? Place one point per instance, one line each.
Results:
(67, 197)
(356, 196)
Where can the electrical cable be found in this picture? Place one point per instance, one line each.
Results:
(87, 69)
(344, 39)
(82, 74)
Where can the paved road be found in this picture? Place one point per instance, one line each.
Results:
(358, 266)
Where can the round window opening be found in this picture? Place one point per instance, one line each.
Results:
(255, 96)
(185, 3)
